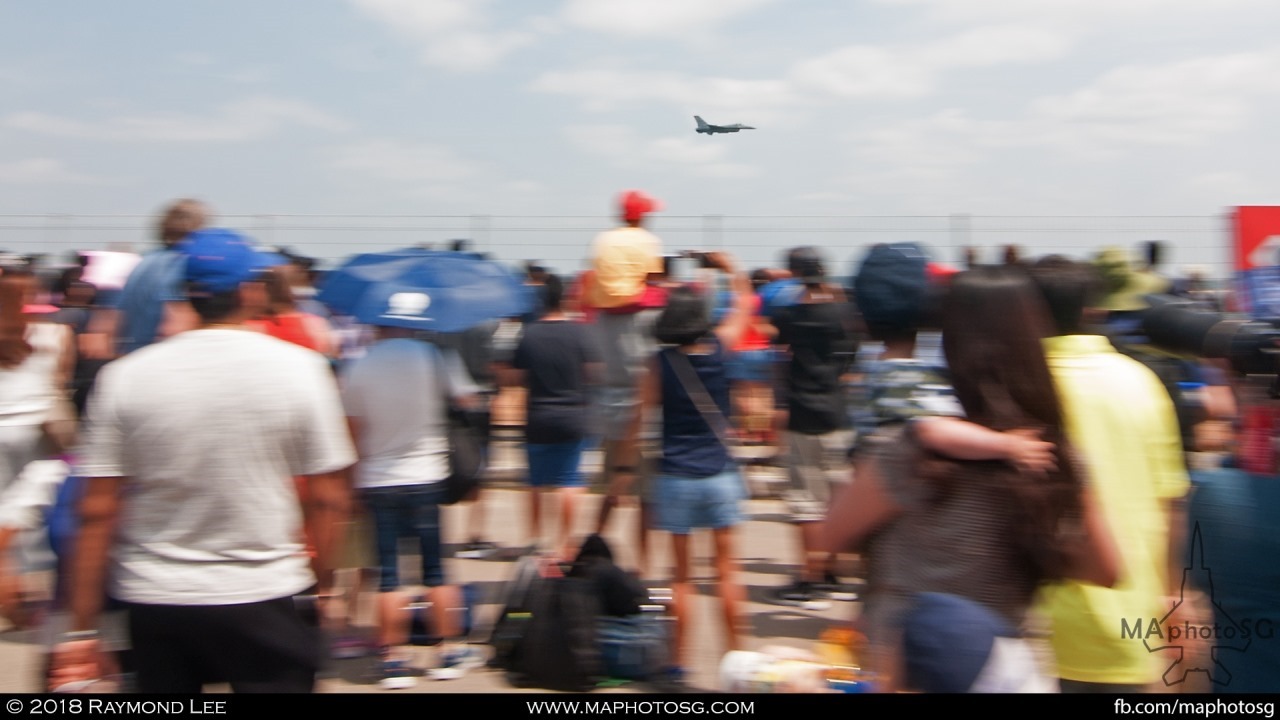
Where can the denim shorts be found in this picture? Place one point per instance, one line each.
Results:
(751, 366)
(684, 504)
(555, 464)
(411, 511)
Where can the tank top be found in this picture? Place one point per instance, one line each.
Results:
(290, 328)
(27, 390)
(690, 447)
(752, 338)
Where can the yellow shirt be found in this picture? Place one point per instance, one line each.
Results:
(622, 260)
(1121, 420)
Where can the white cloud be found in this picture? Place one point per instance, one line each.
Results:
(412, 163)
(625, 148)
(525, 187)
(243, 120)
(855, 71)
(453, 34)
(424, 17)
(420, 171)
(1174, 103)
(473, 50)
(914, 70)
(991, 46)
(603, 89)
(195, 59)
(1231, 186)
(654, 17)
(930, 147)
(1078, 14)
(863, 71)
(44, 171)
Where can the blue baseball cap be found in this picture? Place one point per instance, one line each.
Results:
(218, 260)
(779, 294)
(890, 286)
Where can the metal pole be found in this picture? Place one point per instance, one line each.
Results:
(480, 226)
(713, 231)
(961, 230)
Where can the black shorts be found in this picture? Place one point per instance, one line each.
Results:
(263, 647)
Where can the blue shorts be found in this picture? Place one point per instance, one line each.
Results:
(751, 366)
(685, 504)
(555, 464)
(406, 511)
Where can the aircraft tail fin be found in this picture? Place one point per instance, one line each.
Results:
(702, 124)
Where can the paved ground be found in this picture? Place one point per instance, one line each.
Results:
(767, 547)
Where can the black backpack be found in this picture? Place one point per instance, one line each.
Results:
(546, 635)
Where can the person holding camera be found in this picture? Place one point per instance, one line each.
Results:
(698, 485)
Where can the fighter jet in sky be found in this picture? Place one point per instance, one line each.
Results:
(704, 127)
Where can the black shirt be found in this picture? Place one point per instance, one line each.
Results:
(822, 343)
(555, 355)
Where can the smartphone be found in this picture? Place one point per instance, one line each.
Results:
(678, 268)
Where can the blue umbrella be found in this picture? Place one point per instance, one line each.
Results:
(424, 290)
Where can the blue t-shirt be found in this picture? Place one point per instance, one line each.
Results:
(156, 280)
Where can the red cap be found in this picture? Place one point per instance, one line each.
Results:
(940, 273)
(636, 205)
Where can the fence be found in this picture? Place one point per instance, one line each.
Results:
(562, 241)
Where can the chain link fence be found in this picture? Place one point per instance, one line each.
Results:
(562, 242)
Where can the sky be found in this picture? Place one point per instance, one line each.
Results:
(918, 111)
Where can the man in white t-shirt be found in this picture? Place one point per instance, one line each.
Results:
(191, 515)
(396, 398)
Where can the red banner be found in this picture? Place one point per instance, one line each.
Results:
(1257, 236)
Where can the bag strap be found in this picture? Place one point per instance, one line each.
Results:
(697, 392)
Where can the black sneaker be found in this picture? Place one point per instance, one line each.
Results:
(670, 679)
(834, 588)
(802, 595)
(396, 675)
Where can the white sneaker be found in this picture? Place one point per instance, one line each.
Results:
(455, 662)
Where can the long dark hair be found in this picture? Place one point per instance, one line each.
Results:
(993, 325)
(16, 284)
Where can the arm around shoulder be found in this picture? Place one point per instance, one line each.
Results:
(963, 440)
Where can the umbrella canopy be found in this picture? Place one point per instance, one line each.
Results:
(424, 290)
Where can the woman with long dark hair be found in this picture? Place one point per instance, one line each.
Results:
(982, 530)
(698, 486)
(35, 365)
(36, 358)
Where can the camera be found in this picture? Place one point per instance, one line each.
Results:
(1181, 326)
(702, 256)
